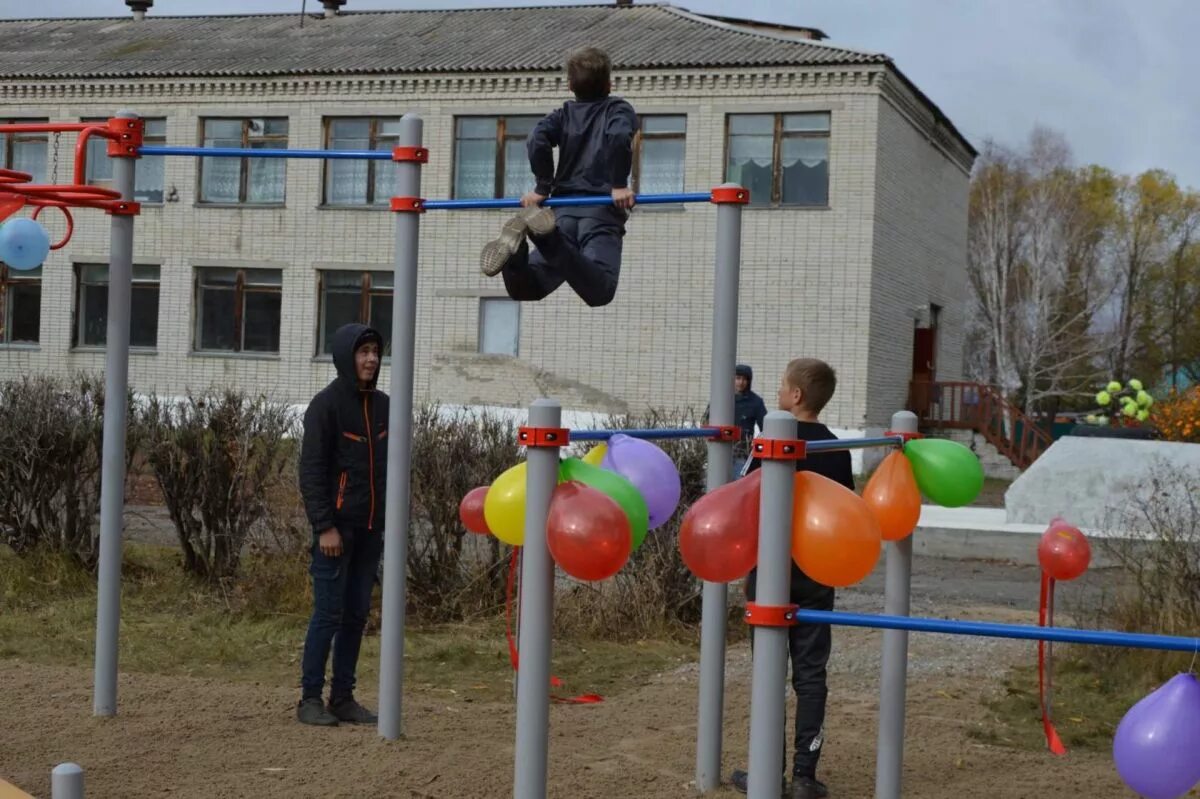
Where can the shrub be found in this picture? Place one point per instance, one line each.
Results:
(1178, 416)
(217, 457)
(51, 435)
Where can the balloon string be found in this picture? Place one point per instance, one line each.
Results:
(1195, 652)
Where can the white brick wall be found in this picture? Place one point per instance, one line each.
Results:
(832, 283)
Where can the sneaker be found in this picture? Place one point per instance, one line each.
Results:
(808, 788)
(351, 712)
(499, 251)
(311, 711)
(741, 783)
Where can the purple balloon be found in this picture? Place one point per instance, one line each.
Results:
(1157, 745)
(651, 471)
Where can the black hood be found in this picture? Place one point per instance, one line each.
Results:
(346, 341)
(743, 370)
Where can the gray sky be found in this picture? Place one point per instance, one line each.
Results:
(1113, 75)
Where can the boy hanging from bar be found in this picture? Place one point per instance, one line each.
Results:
(577, 244)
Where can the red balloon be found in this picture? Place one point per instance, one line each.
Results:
(470, 511)
(587, 532)
(1064, 551)
(718, 538)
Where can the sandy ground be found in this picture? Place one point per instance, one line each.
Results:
(188, 737)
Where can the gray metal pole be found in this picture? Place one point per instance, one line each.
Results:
(893, 679)
(399, 463)
(768, 691)
(537, 613)
(720, 463)
(66, 782)
(112, 458)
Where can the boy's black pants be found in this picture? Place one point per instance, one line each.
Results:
(584, 251)
(809, 646)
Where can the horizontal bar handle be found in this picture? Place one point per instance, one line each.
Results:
(987, 629)
(248, 152)
(840, 444)
(662, 433)
(560, 202)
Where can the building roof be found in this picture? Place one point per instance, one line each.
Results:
(641, 36)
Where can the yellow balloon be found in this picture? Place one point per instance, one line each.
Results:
(504, 506)
(595, 454)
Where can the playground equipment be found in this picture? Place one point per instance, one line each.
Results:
(543, 436)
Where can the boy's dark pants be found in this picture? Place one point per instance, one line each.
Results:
(341, 601)
(584, 250)
(809, 646)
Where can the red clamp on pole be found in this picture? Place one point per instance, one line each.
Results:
(124, 208)
(543, 436)
(411, 205)
(904, 434)
(732, 195)
(725, 432)
(126, 138)
(771, 615)
(416, 155)
(774, 449)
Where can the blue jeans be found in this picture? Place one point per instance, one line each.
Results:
(341, 601)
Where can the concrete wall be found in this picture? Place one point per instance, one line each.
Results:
(814, 281)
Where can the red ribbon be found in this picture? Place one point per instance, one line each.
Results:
(1045, 665)
(514, 658)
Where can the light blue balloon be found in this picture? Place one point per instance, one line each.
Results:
(24, 244)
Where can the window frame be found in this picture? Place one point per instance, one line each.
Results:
(373, 136)
(636, 173)
(152, 140)
(10, 139)
(502, 139)
(367, 291)
(240, 290)
(779, 134)
(77, 328)
(7, 279)
(244, 163)
(483, 301)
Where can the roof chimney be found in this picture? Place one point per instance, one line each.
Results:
(139, 8)
(332, 6)
(624, 3)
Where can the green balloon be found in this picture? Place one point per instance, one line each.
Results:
(947, 472)
(615, 487)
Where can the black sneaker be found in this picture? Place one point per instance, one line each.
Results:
(312, 711)
(741, 783)
(808, 788)
(351, 712)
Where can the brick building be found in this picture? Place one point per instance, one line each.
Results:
(853, 251)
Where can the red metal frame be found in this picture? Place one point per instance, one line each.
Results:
(725, 432)
(543, 436)
(958, 405)
(734, 195)
(419, 155)
(778, 449)
(771, 615)
(411, 205)
(124, 139)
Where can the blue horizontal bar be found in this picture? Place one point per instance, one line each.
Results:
(989, 629)
(246, 152)
(841, 444)
(663, 433)
(558, 202)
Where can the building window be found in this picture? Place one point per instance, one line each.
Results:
(91, 306)
(346, 297)
(20, 305)
(237, 310)
(783, 159)
(358, 182)
(245, 181)
(658, 155)
(499, 326)
(24, 152)
(147, 176)
(489, 157)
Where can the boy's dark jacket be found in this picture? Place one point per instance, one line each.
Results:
(344, 455)
(595, 147)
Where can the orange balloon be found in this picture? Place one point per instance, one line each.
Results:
(835, 537)
(718, 538)
(893, 496)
